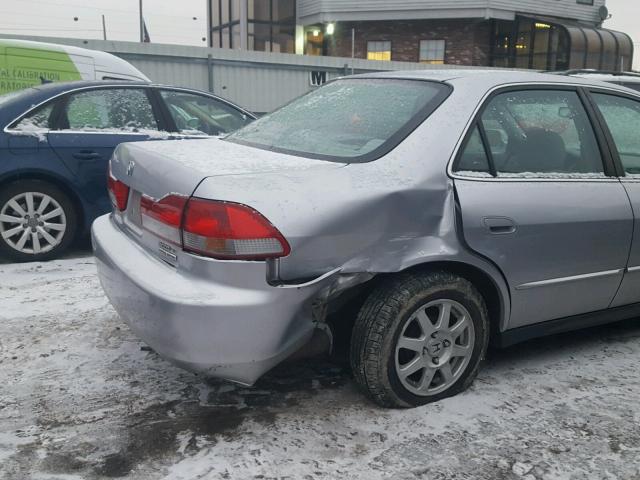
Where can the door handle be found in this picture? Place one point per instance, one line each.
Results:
(499, 225)
(87, 155)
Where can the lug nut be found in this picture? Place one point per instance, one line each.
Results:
(446, 343)
(434, 335)
(435, 360)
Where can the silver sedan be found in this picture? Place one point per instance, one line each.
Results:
(415, 216)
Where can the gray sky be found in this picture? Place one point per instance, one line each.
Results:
(172, 21)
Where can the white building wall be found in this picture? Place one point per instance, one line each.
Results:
(312, 11)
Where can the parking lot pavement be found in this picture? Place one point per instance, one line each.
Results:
(80, 397)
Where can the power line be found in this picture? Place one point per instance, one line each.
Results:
(40, 29)
(99, 9)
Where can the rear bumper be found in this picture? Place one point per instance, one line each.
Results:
(218, 318)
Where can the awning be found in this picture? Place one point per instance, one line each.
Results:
(592, 47)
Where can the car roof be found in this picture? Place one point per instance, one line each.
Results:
(61, 87)
(607, 75)
(488, 78)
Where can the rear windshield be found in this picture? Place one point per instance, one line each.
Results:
(350, 120)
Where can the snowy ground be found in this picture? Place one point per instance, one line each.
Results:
(81, 398)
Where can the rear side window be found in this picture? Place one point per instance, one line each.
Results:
(535, 133)
(39, 119)
(623, 119)
(351, 120)
(121, 109)
(474, 160)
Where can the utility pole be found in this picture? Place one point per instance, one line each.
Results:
(104, 28)
(141, 24)
(353, 47)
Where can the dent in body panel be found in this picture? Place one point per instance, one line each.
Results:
(376, 217)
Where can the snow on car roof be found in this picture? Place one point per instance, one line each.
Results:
(487, 78)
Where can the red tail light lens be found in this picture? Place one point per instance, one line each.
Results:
(118, 192)
(229, 230)
(163, 217)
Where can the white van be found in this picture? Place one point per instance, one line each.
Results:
(24, 64)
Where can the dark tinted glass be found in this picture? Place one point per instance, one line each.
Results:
(259, 10)
(284, 11)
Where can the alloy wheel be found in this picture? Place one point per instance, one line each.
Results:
(32, 223)
(434, 347)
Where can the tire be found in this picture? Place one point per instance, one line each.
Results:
(38, 221)
(405, 311)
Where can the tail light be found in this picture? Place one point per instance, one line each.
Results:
(230, 230)
(217, 229)
(118, 192)
(163, 217)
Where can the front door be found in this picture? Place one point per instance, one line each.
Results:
(91, 124)
(537, 200)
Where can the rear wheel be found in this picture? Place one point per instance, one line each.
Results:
(419, 338)
(37, 221)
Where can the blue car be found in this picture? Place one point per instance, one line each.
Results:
(56, 142)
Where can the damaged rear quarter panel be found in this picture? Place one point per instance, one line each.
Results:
(376, 217)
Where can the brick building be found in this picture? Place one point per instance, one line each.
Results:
(539, 34)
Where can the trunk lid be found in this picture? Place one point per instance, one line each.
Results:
(178, 166)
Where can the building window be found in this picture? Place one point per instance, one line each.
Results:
(432, 51)
(379, 51)
(270, 24)
(585, 2)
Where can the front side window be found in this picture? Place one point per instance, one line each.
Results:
(200, 115)
(126, 109)
(432, 51)
(538, 133)
(622, 116)
(353, 120)
(379, 51)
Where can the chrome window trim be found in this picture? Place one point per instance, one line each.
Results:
(573, 278)
(11, 131)
(453, 175)
(96, 132)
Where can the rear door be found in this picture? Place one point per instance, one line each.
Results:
(620, 115)
(91, 123)
(539, 198)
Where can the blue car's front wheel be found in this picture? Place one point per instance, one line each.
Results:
(37, 221)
